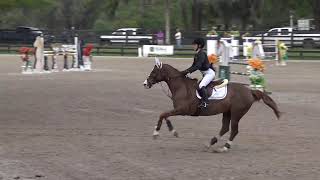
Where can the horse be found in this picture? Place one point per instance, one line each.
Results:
(234, 106)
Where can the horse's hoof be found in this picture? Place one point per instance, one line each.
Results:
(155, 136)
(206, 148)
(175, 133)
(221, 150)
(207, 145)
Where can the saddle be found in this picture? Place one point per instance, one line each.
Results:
(215, 85)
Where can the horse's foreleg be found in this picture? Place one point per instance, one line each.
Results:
(157, 129)
(171, 128)
(165, 116)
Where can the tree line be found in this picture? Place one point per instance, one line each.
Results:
(195, 15)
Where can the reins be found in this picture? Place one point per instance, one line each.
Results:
(167, 92)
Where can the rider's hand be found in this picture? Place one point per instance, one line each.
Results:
(184, 73)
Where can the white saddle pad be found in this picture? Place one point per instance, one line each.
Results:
(217, 93)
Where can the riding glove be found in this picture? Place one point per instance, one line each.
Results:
(185, 72)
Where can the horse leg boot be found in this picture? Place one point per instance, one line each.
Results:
(204, 97)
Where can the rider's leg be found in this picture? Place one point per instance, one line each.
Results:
(207, 78)
(204, 96)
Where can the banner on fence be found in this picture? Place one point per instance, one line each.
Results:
(157, 50)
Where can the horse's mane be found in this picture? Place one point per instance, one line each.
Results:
(171, 69)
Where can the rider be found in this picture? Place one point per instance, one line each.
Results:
(201, 62)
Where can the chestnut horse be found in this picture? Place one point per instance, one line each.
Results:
(234, 106)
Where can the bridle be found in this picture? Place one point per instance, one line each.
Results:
(167, 92)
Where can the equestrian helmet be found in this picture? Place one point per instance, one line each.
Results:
(200, 42)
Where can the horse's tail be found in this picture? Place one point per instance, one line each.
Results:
(267, 100)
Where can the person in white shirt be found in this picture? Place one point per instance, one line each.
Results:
(39, 56)
(178, 37)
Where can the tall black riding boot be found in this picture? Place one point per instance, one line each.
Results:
(204, 97)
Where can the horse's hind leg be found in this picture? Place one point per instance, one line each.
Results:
(235, 119)
(224, 128)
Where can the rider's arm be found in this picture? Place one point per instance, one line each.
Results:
(198, 63)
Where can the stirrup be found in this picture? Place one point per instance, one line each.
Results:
(203, 104)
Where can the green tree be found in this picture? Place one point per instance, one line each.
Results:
(316, 13)
(151, 14)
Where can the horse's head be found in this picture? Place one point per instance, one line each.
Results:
(156, 75)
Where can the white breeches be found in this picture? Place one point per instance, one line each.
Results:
(40, 59)
(86, 62)
(208, 76)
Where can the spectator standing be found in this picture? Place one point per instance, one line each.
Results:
(160, 38)
(39, 56)
(178, 37)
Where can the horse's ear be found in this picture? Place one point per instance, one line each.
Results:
(158, 62)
